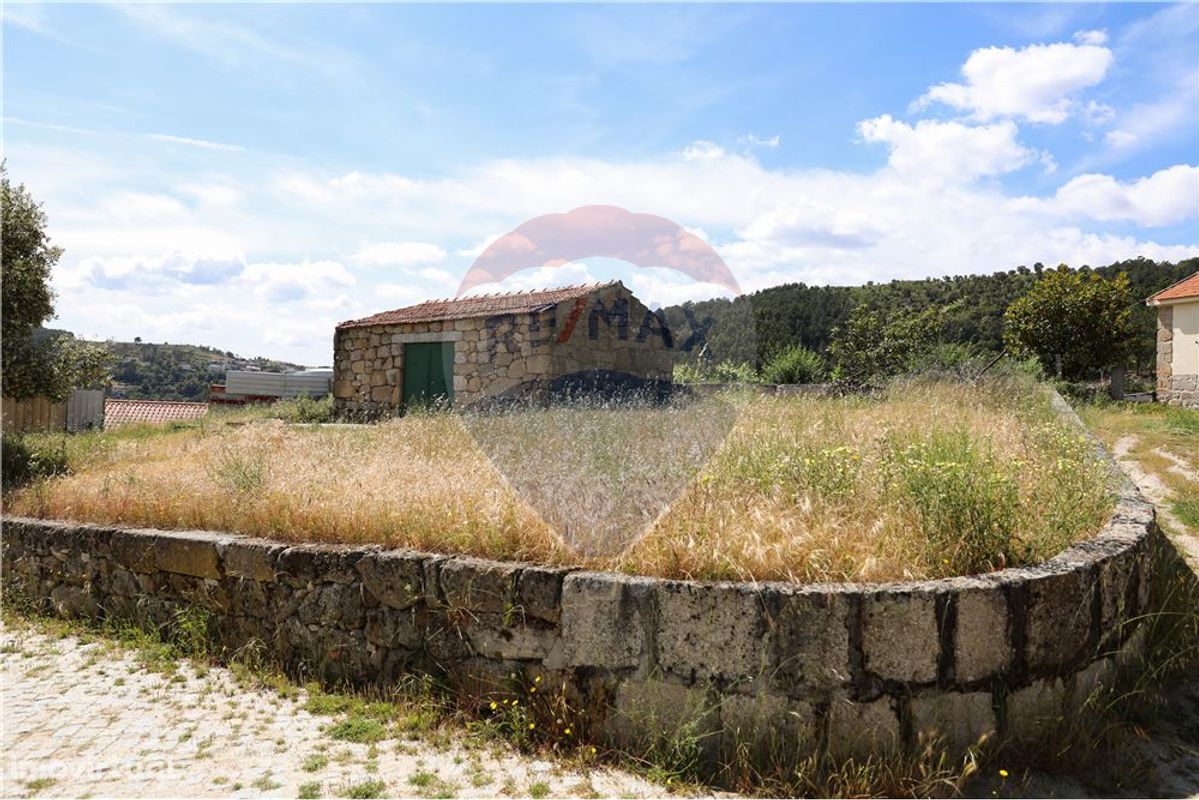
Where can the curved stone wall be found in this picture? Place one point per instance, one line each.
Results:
(856, 668)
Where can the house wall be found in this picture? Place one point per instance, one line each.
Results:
(608, 329)
(1178, 353)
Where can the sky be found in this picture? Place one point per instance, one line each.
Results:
(247, 176)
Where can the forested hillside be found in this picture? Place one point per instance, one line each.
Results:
(146, 371)
(974, 306)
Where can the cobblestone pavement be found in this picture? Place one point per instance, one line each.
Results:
(85, 718)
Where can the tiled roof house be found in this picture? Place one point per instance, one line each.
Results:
(1178, 342)
(463, 350)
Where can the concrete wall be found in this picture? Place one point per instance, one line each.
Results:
(1178, 353)
(608, 329)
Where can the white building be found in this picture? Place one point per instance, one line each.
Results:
(1178, 342)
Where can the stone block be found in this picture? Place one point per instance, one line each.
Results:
(73, 601)
(711, 631)
(134, 549)
(1058, 617)
(493, 636)
(604, 620)
(982, 640)
(539, 593)
(773, 727)
(187, 554)
(810, 639)
(252, 559)
(393, 628)
(959, 719)
(900, 638)
(395, 578)
(478, 585)
(1119, 604)
(1034, 712)
(308, 563)
(862, 730)
(1090, 692)
(654, 711)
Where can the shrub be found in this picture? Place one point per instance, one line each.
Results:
(25, 460)
(794, 364)
(704, 371)
(305, 409)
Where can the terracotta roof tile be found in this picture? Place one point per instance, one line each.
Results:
(1187, 287)
(137, 412)
(478, 306)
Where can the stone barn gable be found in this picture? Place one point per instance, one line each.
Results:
(467, 349)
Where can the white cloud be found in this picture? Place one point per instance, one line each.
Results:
(403, 254)
(274, 259)
(702, 150)
(1166, 197)
(1098, 37)
(203, 144)
(1037, 83)
(753, 140)
(947, 150)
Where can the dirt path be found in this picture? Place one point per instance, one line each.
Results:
(1156, 491)
(85, 718)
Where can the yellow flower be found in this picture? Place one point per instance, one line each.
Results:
(532, 689)
(537, 679)
(567, 731)
(532, 725)
(494, 705)
(515, 703)
(1003, 773)
(593, 751)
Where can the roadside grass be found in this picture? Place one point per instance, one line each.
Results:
(925, 479)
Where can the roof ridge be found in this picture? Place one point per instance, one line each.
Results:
(1174, 285)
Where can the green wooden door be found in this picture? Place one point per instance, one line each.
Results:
(428, 373)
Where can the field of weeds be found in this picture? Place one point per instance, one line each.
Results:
(926, 479)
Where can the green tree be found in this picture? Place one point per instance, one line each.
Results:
(35, 361)
(873, 345)
(1073, 322)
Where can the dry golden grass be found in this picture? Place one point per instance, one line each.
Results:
(927, 480)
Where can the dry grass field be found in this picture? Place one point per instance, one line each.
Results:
(927, 479)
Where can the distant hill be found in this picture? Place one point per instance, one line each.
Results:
(148, 371)
(752, 327)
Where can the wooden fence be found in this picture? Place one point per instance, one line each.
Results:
(82, 410)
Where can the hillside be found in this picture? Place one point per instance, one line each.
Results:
(147, 371)
(975, 305)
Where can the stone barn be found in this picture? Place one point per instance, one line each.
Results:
(511, 345)
(1178, 342)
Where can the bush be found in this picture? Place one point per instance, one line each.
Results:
(305, 409)
(794, 364)
(705, 371)
(25, 460)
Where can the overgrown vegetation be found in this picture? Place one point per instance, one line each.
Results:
(924, 479)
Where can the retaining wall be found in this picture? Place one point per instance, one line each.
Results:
(861, 667)
(855, 668)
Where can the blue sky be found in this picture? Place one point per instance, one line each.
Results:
(248, 175)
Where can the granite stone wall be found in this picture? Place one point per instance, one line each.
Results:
(859, 667)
